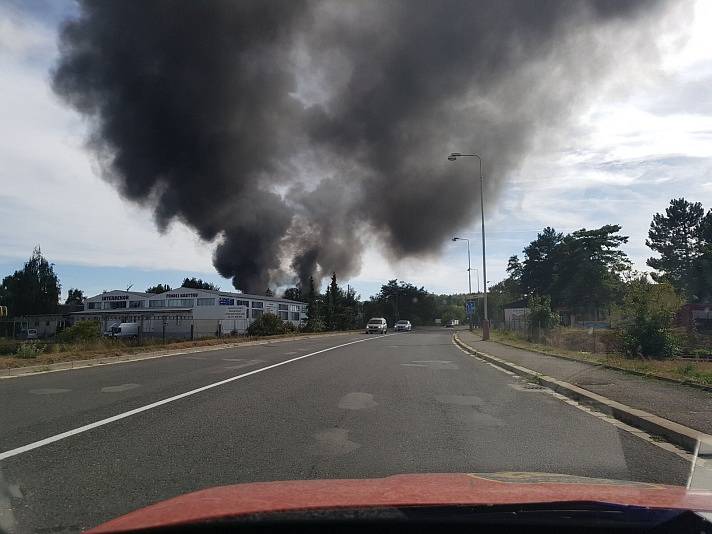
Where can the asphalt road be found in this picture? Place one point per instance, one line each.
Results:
(405, 403)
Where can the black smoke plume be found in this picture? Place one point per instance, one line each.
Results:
(295, 132)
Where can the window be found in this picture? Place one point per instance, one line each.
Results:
(295, 316)
(294, 307)
(186, 303)
(93, 305)
(206, 302)
(136, 304)
(174, 303)
(284, 315)
(115, 305)
(257, 304)
(256, 313)
(283, 307)
(242, 303)
(157, 304)
(224, 301)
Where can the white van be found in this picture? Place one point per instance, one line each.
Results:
(377, 325)
(127, 330)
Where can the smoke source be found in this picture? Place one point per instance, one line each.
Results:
(297, 132)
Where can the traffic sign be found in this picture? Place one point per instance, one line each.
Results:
(470, 307)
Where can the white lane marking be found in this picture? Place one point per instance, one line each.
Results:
(124, 415)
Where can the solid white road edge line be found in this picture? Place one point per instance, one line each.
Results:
(124, 415)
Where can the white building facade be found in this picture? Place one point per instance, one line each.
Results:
(187, 313)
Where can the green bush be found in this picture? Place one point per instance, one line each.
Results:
(31, 349)
(8, 347)
(540, 314)
(81, 332)
(646, 318)
(269, 325)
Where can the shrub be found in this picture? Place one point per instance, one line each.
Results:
(268, 324)
(31, 349)
(646, 318)
(81, 332)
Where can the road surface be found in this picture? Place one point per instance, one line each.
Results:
(367, 406)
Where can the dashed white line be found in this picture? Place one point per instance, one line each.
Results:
(124, 415)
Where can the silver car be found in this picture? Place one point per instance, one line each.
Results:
(403, 326)
(376, 325)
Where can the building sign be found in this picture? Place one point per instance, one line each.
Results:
(181, 295)
(238, 312)
(116, 297)
(224, 301)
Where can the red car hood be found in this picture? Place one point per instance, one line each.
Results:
(403, 490)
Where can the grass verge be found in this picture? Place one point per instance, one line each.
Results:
(679, 369)
(60, 352)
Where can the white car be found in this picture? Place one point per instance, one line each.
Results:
(403, 326)
(376, 325)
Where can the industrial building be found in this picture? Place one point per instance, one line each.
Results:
(187, 313)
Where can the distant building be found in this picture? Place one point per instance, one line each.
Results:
(186, 312)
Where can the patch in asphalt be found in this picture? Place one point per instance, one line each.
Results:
(437, 365)
(49, 391)
(460, 400)
(357, 401)
(334, 442)
(528, 387)
(119, 388)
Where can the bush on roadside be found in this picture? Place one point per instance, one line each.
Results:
(30, 349)
(646, 314)
(8, 347)
(269, 324)
(81, 332)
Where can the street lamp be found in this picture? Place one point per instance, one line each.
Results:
(452, 157)
(469, 268)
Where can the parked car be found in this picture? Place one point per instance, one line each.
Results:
(376, 325)
(403, 326)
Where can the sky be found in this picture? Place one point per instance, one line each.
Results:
(622, 160)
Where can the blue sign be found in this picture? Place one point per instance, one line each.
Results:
(470, 307)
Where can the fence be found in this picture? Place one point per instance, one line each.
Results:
(597, 338)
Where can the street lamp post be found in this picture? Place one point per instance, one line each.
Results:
(469, 275)
(452, 157)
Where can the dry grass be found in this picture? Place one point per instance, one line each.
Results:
(60, 352)
(684, 370)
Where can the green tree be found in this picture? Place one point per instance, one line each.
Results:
(540, 315)
(402, 301)
(32, 290)
(293, 293)
(75, 296)
(332, 301)
(588, 267)
(539, 269)
(313, 321)
(269, 293)
(645, 318)
(678, 236)
(159, 288)
(197, 283)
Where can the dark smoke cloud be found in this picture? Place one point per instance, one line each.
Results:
(296, 132)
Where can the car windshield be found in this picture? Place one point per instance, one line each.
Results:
(283, 240)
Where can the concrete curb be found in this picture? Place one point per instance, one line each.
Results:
(675, 433)
(14, 372)
(613, 367)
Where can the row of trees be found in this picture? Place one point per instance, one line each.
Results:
(586, 273)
